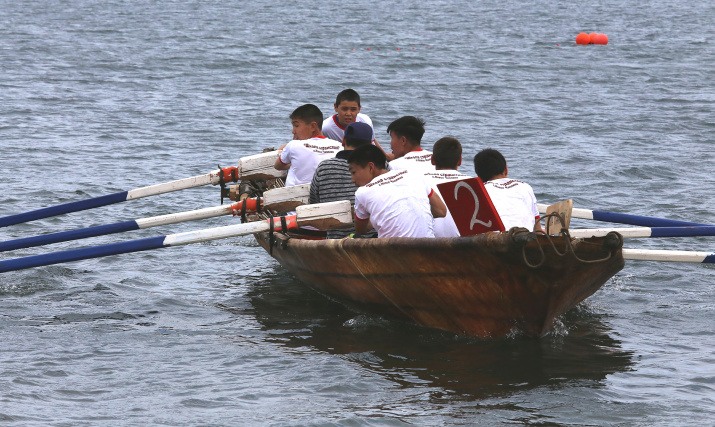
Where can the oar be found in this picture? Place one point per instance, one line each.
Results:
(323, 215)
(666, 255)
(619, 218)
(280, 199)
(637, 232)
(258, 166)
(215, 177)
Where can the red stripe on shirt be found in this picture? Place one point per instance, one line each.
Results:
(335, 119)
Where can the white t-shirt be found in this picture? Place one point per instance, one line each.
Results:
(515, 202)
(397, 205)
(444, 227)
(418, 161)
(333, 130)
(304, 156)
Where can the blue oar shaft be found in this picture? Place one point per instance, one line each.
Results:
(64, 236)
(619, 218)
(80, 205)
(214, 177)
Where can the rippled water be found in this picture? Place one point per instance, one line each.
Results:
(99, 97)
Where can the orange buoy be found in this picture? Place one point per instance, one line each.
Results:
(582, 38)
(600, 39)
(591, 37)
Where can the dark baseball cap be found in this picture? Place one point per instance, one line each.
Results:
(358, 130)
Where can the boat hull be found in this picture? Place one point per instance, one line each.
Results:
(488, 285)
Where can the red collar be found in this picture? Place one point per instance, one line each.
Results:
(337, 123)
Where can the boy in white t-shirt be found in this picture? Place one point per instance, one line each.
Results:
(514, 200)
(394, 203)
(446, 157)
(302, 155)
(347, 110)
(405, 138)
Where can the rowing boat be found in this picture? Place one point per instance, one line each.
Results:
(487, 286)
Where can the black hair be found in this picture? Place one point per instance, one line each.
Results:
(368, 153)
(347, 95)
(489, 163)
(308, 113)
(410, 127)
(446, 153)
(356, 142)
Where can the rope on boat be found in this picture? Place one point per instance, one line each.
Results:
(525, 236)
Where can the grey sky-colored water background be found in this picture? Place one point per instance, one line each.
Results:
(100, 97)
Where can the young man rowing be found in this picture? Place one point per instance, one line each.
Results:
(395, 203)
(514, 200)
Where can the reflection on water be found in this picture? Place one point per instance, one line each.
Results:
(579, 348)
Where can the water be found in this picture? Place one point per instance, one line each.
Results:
(99, 97)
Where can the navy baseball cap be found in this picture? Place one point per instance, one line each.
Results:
(358, 130)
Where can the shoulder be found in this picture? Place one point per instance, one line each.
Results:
(330, 121)
(364, 118)
(295, 143)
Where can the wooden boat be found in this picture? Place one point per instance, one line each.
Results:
(487, 285)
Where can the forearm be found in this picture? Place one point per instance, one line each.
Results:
(439, 210)
(362, 226)
(280, 165)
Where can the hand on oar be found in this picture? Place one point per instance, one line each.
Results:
(322, 216)
(280, 199)
(619, 218)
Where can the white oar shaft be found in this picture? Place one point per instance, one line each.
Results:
(174, 218)
(219, 233)
(212, 177)
(666, 255)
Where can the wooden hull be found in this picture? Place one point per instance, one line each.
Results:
(478, 286)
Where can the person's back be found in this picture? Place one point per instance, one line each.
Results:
(396, 203)
(332, 181)
(302, 155)
(446, 157)
(514, 200)
(405, 138)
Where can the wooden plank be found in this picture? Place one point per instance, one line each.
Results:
(563, 209)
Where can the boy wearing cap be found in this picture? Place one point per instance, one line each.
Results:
(514, 200)
(405, 138)
(446, 158)
(332, 181)
(395, 203)
(309, 147)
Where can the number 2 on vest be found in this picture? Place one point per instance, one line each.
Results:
(476, 205)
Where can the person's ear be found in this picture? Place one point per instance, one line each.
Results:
(458, 163)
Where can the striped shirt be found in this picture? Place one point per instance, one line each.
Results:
(332, 182)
